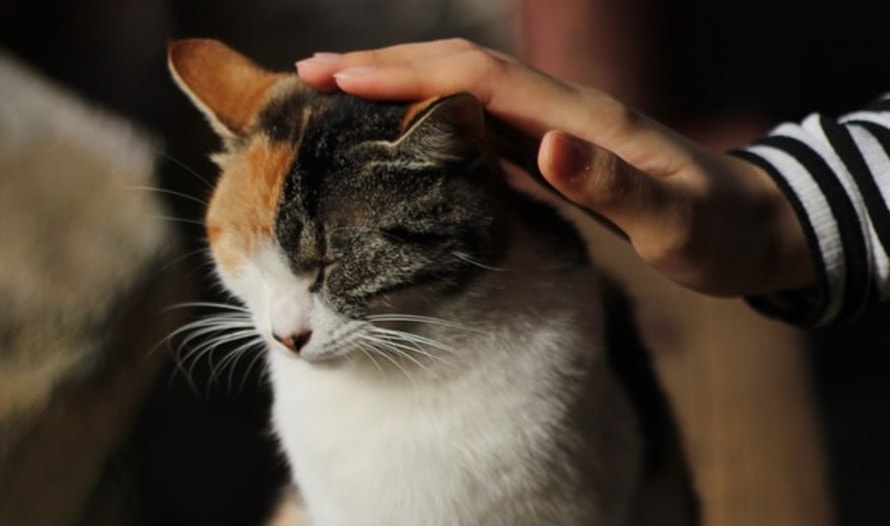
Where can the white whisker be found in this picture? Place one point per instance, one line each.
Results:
(230, 330)
(178, 220)
(405, 349)
(361, 346)
(203, 251)
(374, 348)
(210, 305)
(232, 358)
(257, 358)
(414, 338)
(428, 320)
(188, 169)
(472, 261)
(169, 192)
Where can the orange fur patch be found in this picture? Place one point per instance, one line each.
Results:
(241, 215)
(228, 87)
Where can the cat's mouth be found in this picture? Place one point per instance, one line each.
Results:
(325, 359)
(302, 347)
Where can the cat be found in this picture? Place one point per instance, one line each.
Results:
(436, 340)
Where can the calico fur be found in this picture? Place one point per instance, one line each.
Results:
(436, 340)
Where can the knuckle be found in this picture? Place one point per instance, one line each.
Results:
(369, 56)
(617, 116)
(675, 241)
(624, 118)
(482, 61)
(461, 44)
(610, 180)
(483, 70)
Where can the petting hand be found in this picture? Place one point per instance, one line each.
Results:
(712, 222)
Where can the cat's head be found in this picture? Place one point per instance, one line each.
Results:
(331, 210)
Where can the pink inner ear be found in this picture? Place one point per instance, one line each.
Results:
(227, 86)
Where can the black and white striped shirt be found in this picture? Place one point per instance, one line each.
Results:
(836, 173)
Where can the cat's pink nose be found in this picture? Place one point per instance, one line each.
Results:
(294, 342)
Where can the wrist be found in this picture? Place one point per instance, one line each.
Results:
(788, 259)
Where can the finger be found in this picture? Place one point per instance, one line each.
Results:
(410, 51)
(602, 182)
(319, 69)
(508, 89)
(422, 78)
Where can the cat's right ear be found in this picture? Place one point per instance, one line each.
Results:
(452, 126)
(225, 85)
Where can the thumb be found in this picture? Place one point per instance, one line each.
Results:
(600, 181)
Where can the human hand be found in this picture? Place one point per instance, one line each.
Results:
(711, 222)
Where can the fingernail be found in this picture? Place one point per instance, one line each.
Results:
(326, 56)
(354, 72)
(319, 59)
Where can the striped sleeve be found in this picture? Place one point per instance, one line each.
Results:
(836, 174)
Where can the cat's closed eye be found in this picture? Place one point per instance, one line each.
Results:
(415, 236)
(320, 278)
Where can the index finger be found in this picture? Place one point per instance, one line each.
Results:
(319, 70)
(505, 87)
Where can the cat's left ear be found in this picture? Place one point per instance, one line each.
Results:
(449, 128)
(225, 85)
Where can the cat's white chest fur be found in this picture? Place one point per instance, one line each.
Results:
(488, 443)
(369, 455)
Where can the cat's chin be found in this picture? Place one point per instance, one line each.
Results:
(319, 359)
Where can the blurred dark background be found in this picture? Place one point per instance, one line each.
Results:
(204, 456)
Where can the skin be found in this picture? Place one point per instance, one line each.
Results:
(711, 222)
